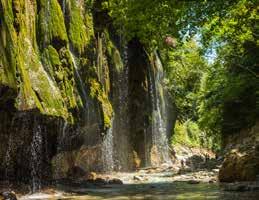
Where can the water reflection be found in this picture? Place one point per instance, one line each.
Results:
(151, 191)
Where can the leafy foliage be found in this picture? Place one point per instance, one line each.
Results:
(150, 21)
(185, 65)
(189, 134)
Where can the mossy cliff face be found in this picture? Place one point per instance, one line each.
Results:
(36, 40)
(49, 68)
(66, 79)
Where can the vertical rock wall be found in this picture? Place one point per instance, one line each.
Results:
(66, 80)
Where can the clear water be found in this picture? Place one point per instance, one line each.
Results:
(148, 191)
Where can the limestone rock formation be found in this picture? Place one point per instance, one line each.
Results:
(67, 79)
(242, 161)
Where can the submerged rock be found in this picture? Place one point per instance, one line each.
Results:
(115, 181)
(193, 182)
(100, 181)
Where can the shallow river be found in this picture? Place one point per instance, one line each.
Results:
(153, 186)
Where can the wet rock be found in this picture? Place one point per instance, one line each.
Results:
(212, 181)
(193, 182)
(91, 176)
(100, 181)
(115, 181)
(239, 166)
(76, 172)
(184, 170)
(8, 196)
(138, 178)
(87, 158)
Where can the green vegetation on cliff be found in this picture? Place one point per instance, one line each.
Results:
(35, 40)
(80, 26)
(51, 24)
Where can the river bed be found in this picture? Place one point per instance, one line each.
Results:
(148, 185)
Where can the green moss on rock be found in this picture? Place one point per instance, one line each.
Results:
(113, 54)
(7, 46)
(60, 67)
(96, 92)
(80, 26)
(39, 67)
(51, 24)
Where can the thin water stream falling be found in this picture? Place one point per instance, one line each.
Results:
(64, 7)
(9, 168)
(36, 157)
(108, 150)
(81, 84)
(159, 127)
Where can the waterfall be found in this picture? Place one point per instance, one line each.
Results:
(9, 168)
(64, 7)
(36, 157)
(81, 84)
(159, 116)
(62, 136)
(147, 147)
(120, 101)
(46, 23)
(107, 150)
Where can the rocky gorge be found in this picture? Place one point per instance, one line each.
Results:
(82, 106)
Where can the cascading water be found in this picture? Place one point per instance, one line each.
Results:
(36, 157)
(64, 7)
(46, 23)
(9, 168)
(147, 157)
(107, 147)
(159, 127)
(120, 101)
(81, 84)
(85, 98)
(107, 150)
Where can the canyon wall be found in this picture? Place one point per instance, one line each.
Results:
(73, 92)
